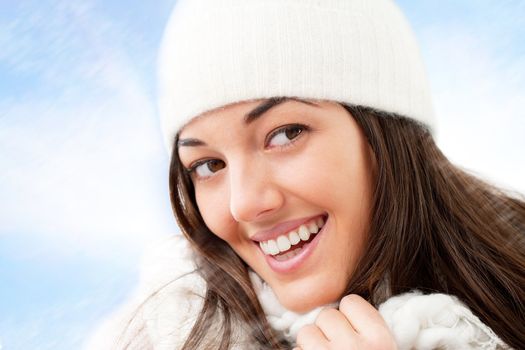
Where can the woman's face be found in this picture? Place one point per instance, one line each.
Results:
(267, 183)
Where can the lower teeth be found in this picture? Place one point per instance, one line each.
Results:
(288, 255)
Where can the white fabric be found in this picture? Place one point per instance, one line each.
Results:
(164, 321)
(281, 319)
(436, 321)
(161, 320)
(219, 52)
(417, 321)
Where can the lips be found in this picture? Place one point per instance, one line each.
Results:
(292, 239)
(293, 259)
(283, 228)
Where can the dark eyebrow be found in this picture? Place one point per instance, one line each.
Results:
(190, 143)
(250, 117)
(270, 103)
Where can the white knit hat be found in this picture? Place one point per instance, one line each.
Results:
(218, 52)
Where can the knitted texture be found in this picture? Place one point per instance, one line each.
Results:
(417, 321)
(162, 319)
(436, 321)
(219, 52)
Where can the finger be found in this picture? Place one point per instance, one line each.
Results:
(363, 317)
(310, 337)
(334, 325)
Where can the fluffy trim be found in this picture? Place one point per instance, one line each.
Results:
(161, 313)
(416, 321)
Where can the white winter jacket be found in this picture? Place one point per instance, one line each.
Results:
(164, 308)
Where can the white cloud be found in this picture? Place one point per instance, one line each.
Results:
(479, 94)
(82, 163)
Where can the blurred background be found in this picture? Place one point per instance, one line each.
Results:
(83, 171)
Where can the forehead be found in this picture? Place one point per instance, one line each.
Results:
(246, 112)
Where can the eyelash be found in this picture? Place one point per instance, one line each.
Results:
(303, 128)
(282, 129)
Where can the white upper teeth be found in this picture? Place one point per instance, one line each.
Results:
(286, 241)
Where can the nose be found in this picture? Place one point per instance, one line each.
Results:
(254, 194)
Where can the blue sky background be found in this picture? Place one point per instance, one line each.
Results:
(83, 172)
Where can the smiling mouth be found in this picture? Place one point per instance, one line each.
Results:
(293, 251)
(291, 244)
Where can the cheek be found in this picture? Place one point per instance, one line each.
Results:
(214, 209)
(338, 180)
(319, 174)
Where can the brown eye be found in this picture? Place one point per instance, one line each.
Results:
(215, 165)
(207, 168)
(291, 133)
(286, 135)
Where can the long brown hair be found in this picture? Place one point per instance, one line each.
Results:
(434, 227)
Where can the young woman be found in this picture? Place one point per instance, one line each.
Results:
(319, 212)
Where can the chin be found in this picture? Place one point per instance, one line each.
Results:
(303, 299)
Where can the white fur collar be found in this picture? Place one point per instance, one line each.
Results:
(417, 321)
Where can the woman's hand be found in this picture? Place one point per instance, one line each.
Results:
(356, 325)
